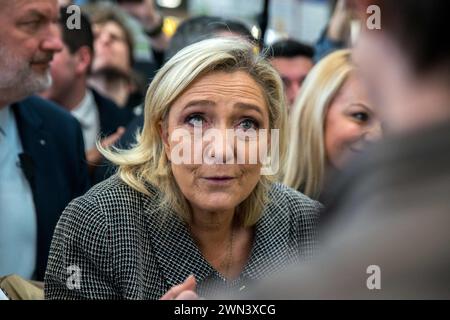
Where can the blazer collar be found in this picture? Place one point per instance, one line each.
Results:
(174, 248)
(26, 115)
(180, 257)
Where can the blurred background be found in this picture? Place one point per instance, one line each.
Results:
(302, 20)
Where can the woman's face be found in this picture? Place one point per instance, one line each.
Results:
(219, 101)
(350, 123)
(111, 50)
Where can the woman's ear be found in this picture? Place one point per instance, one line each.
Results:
(164, 134)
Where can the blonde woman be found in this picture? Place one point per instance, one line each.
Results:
(331, 120)
(162, 227)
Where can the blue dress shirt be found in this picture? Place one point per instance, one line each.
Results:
(18, 225)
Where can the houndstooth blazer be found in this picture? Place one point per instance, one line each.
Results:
(117, 243)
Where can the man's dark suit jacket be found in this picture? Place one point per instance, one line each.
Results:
(53, 161)
(129, 137)
(111, 116)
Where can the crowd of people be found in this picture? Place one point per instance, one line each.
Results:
(222, 166)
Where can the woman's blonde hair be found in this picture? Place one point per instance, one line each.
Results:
(147, 162)
(306, 156)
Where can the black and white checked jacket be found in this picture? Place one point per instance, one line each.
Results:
(117, 243)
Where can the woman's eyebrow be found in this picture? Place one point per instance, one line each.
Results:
(199, 103)
(362, 105)
(249, 106)
(209, 103)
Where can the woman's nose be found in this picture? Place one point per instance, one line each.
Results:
(220, 146)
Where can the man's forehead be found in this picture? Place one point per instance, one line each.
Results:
(23, 6)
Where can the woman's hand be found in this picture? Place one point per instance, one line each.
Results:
(183, 291)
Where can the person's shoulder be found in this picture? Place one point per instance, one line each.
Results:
(110, 203)
(64, 129)
(88, 221)
(293, 199)
(301, 212)
(99, 201)
(294, 215)
(109, 109)
(113, 191)
(114, 195)
(104, 102)
(50, 111)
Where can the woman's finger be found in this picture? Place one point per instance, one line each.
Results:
(187, 295)
(188, 285)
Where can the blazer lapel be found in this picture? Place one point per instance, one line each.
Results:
(174, 248)
(179, 256)
(32, 137)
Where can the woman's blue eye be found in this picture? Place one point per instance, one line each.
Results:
(361, 116)
(248, 124)
(195, 120)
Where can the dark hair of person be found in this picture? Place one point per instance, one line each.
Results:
(199, 28)
(74, 39)
(289, 48)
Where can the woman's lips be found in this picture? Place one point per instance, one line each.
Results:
(219, 180)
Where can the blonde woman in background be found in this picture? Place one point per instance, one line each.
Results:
(331, 121)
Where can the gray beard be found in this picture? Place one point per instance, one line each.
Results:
(23, 89)
(18, 81)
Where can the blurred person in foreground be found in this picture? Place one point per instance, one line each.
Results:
(390, 237)
(42, 161)
(99, 116)
(214, 220)
(332, 121)
(293, 60)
